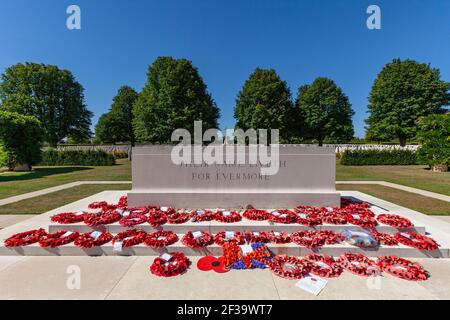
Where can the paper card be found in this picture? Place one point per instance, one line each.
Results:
(79, 213)
(329, 209)
(120, 210)
(96, 234)
(117, 246)
(165, 209)
(126, 214)
(303, 216)
(356, 216)
(68, 233)
(276, 234)
(246, 249)
(197, 234)
(276, 213)
(312, 284)
(226, 213)
(229, 235)
(406, 235)
(256, 233)
(200, 212)
(284, 215)
(166, 257)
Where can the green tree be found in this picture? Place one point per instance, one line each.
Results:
(20, 138)
(403, 92)
(325, 113)
(174, 97)
(434, 134)
(50, 94)
(117, 124)
(265, 103)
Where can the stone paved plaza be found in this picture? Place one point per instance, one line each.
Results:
(128, 277)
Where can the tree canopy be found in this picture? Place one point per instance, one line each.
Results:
(264, 102)
(50, 94)
(20, 139)
(174, 97)
(434, 134)
(117, 124)
(403, 92)
(325, 113)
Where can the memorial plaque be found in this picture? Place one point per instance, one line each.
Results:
(306, 176)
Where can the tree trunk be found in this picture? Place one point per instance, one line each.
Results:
(402, 141)
(320, 143)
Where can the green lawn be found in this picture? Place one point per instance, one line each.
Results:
(15, 183)
(57, 199)
(412, 176)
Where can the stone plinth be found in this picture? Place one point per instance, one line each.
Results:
(306, 176)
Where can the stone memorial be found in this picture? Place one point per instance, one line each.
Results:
(306, 175)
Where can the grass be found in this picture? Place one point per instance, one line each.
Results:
(15, 183)
(405, 199)
(57, 199)
(412, 176)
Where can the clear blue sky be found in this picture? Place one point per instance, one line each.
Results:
(226, 40)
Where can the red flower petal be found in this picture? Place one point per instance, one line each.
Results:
(219, 266)
(205, 263)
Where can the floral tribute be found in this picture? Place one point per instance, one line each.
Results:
(309, 239)
(256, 215)
(282, 216)
(58, 238)
(202, 215)
(416, 240)
(324, 266)
(255, 237)
(209, 263)
(395, 221)
(255, 255)
(227, 216)
(289, 267)
(384, 238)
(102, 218)
(358, 264)
(69, 217)
(160, 239)
(129, 238)
(402, 268)
(197, 239)
(308, 216)
(332, 237)
(278, 237)
(156, 218)
(132, 219)
(25, 238)
(170, 265)
(93, 239)
(362, 220)
(228, 236)
(178, 217)
(123, 202)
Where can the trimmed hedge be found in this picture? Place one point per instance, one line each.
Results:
(378, 157)
(53, 157)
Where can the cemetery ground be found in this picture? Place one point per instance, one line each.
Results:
(17, 183)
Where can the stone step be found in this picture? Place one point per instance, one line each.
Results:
(288, 249)
(215, 226)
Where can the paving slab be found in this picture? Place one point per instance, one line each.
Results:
(352, 287)
(9, 220)
(439, 281)
(139, 283)
(56, 278)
